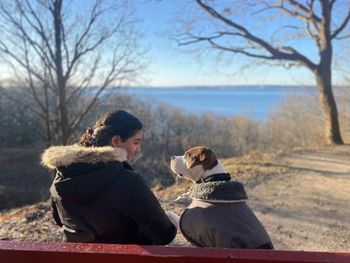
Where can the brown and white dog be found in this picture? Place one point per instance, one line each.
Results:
(218, 215)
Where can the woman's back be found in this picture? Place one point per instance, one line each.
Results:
(98, 198)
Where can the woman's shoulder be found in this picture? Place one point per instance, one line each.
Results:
(127, 174)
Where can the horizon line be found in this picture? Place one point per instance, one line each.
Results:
(221, 86)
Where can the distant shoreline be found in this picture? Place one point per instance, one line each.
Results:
(223, 87)
(253, 101)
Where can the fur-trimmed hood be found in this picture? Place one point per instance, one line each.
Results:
(63, 156)
(83, 172)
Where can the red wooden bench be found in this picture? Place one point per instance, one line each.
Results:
(35, 252)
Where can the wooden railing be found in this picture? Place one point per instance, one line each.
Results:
(35, 252)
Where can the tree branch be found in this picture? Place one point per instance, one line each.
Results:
(6, 51)
(31, 83)
(23, 33)
(343, 37)
(116, 71)
(197, 39)
(309, 17)
(307, 10)
(342, 26)
(293, 55)
(314, 38)
(39, 29)
(85, 81)
(79, 49)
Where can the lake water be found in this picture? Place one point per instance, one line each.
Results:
(253, 101)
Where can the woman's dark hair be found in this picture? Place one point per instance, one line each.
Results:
(118, 122)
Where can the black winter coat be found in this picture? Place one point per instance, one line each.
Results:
(97, 197)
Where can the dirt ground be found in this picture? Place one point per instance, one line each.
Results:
(305, 203)
(307, 209)
(303, 200)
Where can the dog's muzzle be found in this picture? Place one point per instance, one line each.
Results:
(177, 165)
(173, 159)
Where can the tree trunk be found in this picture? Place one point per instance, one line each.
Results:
(61, 85)
(323, 75)
(329, 108)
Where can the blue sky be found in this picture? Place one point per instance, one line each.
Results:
(169, 67)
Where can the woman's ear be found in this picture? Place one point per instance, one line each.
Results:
(116, 140)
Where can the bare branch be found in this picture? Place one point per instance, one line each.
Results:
(22, 32)
(342, 26)
(332, 3)
(120, 65)
(196, 39)
(79, 49)
(31, 83)
(267, 6)
(298, 5)
(39, 28)
(343, 37)
(6, 51)
(314, 38)
(241, 51)
(303, 13)
(306, 10)
(85, 81)
(274, 52)
(65, 44)
(296, 14)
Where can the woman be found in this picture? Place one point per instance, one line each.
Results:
(96, 196)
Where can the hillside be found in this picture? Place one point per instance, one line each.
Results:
(302, 199)
(22, 179)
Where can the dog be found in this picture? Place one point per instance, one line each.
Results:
(218, 215)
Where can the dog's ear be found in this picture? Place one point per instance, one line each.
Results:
(208, 158)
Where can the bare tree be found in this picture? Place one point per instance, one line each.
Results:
(287, 24)
(65, 54)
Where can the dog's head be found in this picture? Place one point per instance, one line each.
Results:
(194, 163)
